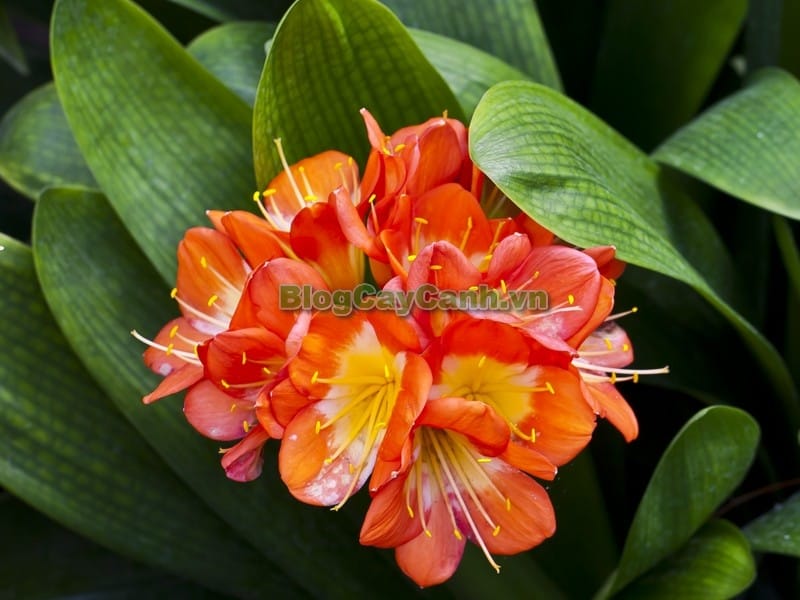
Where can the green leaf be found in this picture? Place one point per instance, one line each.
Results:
(10, 50)
(658, 61)
(582, 180)
(65, 450)
(235, 54)
(313, 103)
(747, 145)
(778, 530)
(701, 467)
(37, 148)
(76, 233)
(74, 564)
(232, 10)
(468, 71)
(510, 30)
(715, 564)
(164, 138)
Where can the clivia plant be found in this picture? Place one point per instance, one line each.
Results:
(370, 257)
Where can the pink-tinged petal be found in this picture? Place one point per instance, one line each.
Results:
(525, 458)
(262, 303)
(440, 158)
(377, 138)
(352, 225)
(603, 307)
(388, 522)
(414, 387)
(308, 460)
(522, 511)
(608, 403)
(175, 382)
(173, 347)
(432, 559)
(443, 265)
(211, 275)
(243, 462)
(607, 346)
(217, 415)
(317, 239)
(254, 237)
(511, 251)
(539, 235)
(286, 401)
(605, 257)
(478, 422)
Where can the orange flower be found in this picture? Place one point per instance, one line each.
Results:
(457, 488)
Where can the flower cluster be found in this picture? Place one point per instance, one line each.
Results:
(445, 414)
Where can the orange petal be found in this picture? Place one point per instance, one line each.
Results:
(254, 237)
(440, 158)
(175, 382)
(176, 337)
(478, 422)
(388, 522)
(522, 456)
(608, 403)
(217, 415)
(430, 560)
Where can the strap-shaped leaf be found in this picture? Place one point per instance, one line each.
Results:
(164, 138)
(76, 232)
(510, 30)
(65, 450)
(312, 103)
(468, 71)
(658, 60)
(37, 148)
(715, 563)
(235, 54)
(701, 467)
(778, 530)
(748, 145)
(236, 10)
(589, 185)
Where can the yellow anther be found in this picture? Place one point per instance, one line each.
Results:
(372, 198)
(270, 192)
(608, 343)
(635, 378)
(212, 299)
(457, 533)
(428, 533)
(550, 388)
(173, 293)
(399, 147)
(421, 220)
(625, 347)
(173, 332)
(314, 377)
(488, 256)
(483, 459)
(169, 349)
(386, 373)
(533, 435)
(412, 257)
(244, 358)
(473, 288)
(635, 309)
(233, 407)
(338, 166)
(328, 461)
(496, 531)
(571, 299)
(203, 262)
(481, 361)
(503, 286)
(194, 349)
(246, 426)
(436, 267)
(536, 274)
(613, 378)
(256, 196)
(351, 468)
(508, 504)
(309, 198)
(350, 161)
(266, 371)
(410, 511)
(317, 427)
(224, 384)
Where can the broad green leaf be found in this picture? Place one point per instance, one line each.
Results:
(716, 564)
(232, 10)
(164, 138)
(76, 233)
(701, 467)
(37, 148)
(65, 450)
(510, 30)
(468, 71)
(658, 61)
(75, 565)
(589, 185)
(235, 54)
(747, 145)
(778, 530)
(312, 103)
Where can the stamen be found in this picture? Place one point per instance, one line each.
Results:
(183, 355)
(295, 188)
(625, 313)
